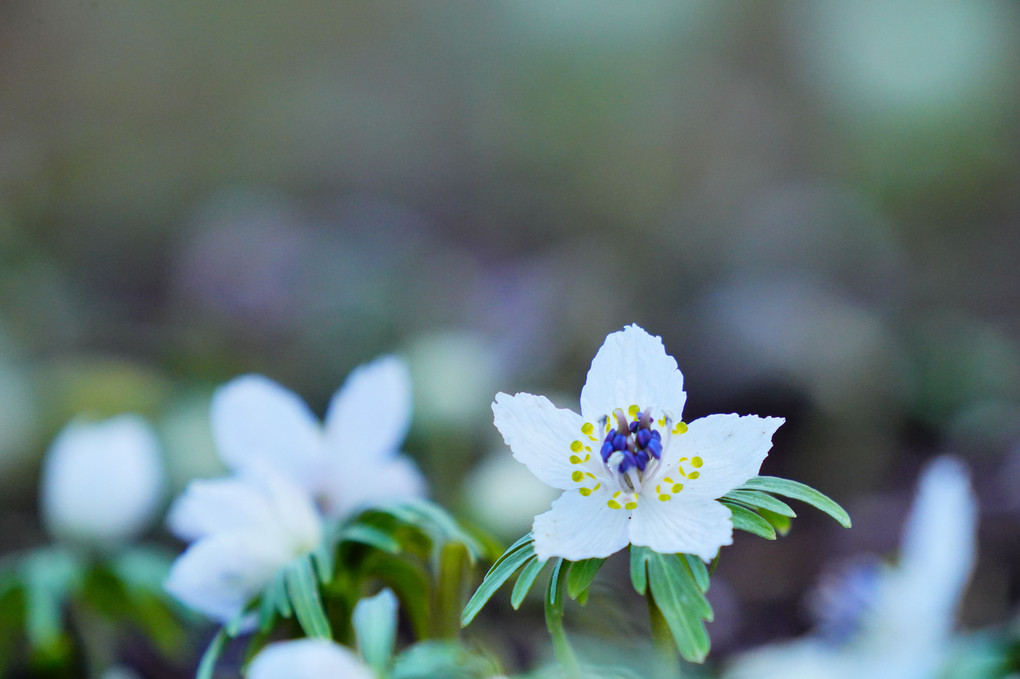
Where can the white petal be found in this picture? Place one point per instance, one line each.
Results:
(731, 447)
(916, 602)
(307, 659)
(102, 481)
(690, 526)
(539, 435)
(579, 527)
(255, 421)
(257, 502)
(353, 487)
(801, 659)
(370, 414)
(632, 368)
(217, 506)
(220, 574)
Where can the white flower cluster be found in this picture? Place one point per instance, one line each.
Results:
(290, 474)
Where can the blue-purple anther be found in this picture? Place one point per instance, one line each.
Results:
(636, 440)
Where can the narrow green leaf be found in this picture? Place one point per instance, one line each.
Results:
(525, 580)
(802, 492)
(49, 575)
(375, 626)
(522, 541)
(581, 574)
(681, 603)
(454, 568)
(781, 523)
(505, 566)
(212, 653)
(371, 536)
(554, 596)
(755, 499)
(698, 570)
(746, 520)
(638, 568)
(323, 558)
(436, 522)
(303, 592)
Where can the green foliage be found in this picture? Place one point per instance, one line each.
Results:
(678, 597)
(375, 627)
(799, 491)
(516, 556)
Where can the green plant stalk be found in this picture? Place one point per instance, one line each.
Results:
(554, 622)
(667, 663)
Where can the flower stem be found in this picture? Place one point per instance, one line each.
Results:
(554, 622)
(667, 665)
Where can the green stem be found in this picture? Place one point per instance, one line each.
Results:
(554, 622)
(667, 664)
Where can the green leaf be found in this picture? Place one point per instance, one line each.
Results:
(746, 520)
(512, 559)
(446, 659)
(525, 580)
(638, 568)
(799, 491)
(781, 523)
(212, 653)
(303, 592)
(323, 558)
(49, 575)
(698, 570)
(369, 535)
(580, 576)
(435, 522)
(375, 626)
(755, 499)
(681, 602)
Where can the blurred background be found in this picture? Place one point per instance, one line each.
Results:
(815, 204)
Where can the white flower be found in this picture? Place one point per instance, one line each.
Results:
(102, 482)
(246, 529)
(351, 461)
(905, 630)
(307, 659)
(631, 470)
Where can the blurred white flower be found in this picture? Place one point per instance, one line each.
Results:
(504, 496)
(351, 461)
(307, 659)
(655, 479)
(102, 482)
(903, 632)
(246, 529)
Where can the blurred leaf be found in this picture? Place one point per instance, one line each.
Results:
(212, 654)
(409, 582)
(303, 592)
(754, 499)
(274, 601)
(435, 522)
(49, 575)
(446, 659)
(746, 520)
(371, 536)
(323, 558)
(454, 570)
(504, 567)
(580, 576)
(525, 581)
(681, 602)
(799, 491)
(375, 626)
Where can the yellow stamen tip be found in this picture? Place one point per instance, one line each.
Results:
(574, 459)
(677, 487)
(584, 491)
(631, 505)
(680, 428)
(587, 428)
(613, 504)
(693, 475)
(633, 410)
(664, 497)
(697, 462)
(577, 476)
(576, 446)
